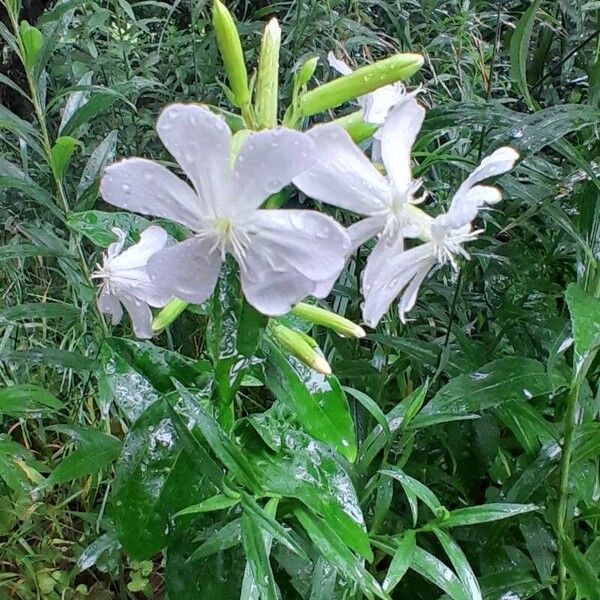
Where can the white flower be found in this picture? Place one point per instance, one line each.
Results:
(125, 280)
(344, 177)
(284, 255)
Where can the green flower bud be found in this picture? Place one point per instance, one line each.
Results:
(230, 48)
(168, 314)
(267, 81)
(320, 316)
(295, 343)
(360, 82)
(355, 125)
(306, 71)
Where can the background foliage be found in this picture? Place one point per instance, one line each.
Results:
(469, 404)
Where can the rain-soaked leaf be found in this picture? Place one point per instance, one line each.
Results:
(317, 401)
(156, 477)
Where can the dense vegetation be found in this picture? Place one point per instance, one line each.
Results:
(476, 422)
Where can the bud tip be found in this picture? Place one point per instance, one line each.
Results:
(321, 365)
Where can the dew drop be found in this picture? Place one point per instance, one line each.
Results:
(274, 184)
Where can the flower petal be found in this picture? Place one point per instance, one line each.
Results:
(267, 162)
(200, 142)
(145, 187)
(364, 230)
(140, 315)
(115, 248)
(129, 270)
(305, 241)
(109, 304)
(398, 134)
(378, 104)
(342, 175)
(394, 277)
(274, 293)
(463, 212)
(187, 270)
(339, 65)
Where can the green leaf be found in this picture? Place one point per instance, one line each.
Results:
(96, 225)
(585, 319)
(21, 128)
(102, 155)
(519, 48)
(32, 40)
(258, 558)
(305, 469)
(337, 553)
(413, 487)
(39, 310)
(224, 538)
(473, 515)
(98, 103)
(156, 478)
(317, 401)
(27, 399)
(269, 524)
(217, 502)
(95, 451)
(503, 380)
(583, 575)
(50, 356)
(61, 154)
(401, 561)
(461, 564)
(437, 572)
(372, 407)
(225, 449)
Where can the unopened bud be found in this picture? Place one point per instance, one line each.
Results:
(360, 82)
(168, 314)
(320, 316)
(267, 81)
(295, 343)
(231, 51)
(356, 127)
(306, 71)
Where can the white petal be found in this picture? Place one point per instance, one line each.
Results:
(109, 304)
(152, 240)
(305, 241)
(274, 293)
(140, 315)
(377, 104)
(115, 248)
(498, 162)
(393, 279)
(398, 134)
(200, 141)
(129, 271)
(464, 211)
(145, 187)
(342, 175)
(187, 270)
(364, 230)
(380, 261)
(409, 296)
(339, 65)
(267, 162)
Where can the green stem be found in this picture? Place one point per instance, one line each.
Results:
(562, 521)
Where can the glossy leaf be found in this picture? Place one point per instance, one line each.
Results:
(585, 317)
(95, 451)
(96, 225)
(430, 567)
(317, 401)
(400, 562)
(156, 478)
(473, 515)
(27, 399)
(217, 502)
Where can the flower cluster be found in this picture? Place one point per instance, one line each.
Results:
(283, 255)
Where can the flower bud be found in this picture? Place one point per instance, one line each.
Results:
(320, 316)
(356, 127)
(230, 48)
(295, 343)
(267, 81)
(306, 71)
(168, 314)
(359, 82)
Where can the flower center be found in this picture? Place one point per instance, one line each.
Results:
(228, 237)
(447, 242)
